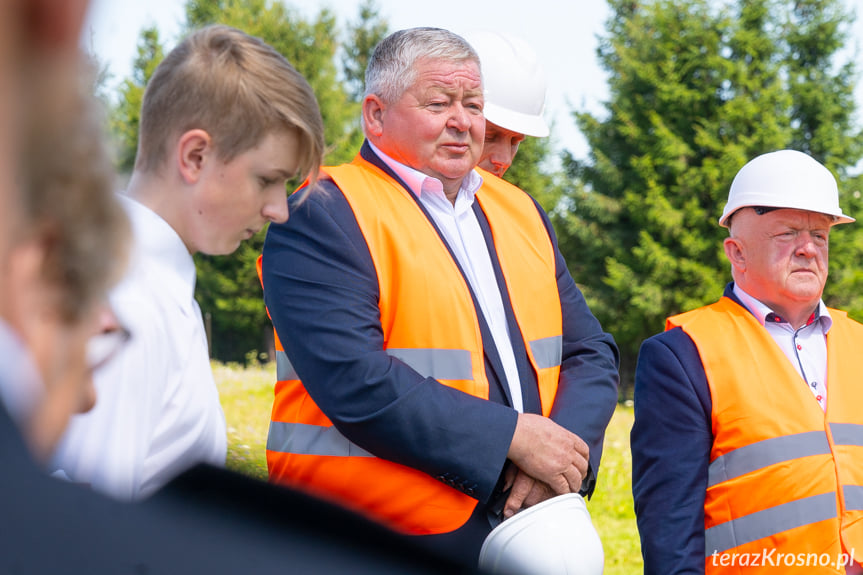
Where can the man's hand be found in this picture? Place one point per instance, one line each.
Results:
(551, 461)
(525, 491)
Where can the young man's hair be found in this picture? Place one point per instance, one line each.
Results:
(235, 87)
(392, 65)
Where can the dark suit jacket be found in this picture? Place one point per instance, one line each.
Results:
(321, 289)
(207, 521)
(671, 441)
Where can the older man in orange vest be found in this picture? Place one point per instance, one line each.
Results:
(748, 438)
(431, 332)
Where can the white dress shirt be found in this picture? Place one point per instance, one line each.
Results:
(805, 347)
(158, 409)
(462, 233)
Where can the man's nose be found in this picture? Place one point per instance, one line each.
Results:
(806, 245)
(276, 209)
(459, 118)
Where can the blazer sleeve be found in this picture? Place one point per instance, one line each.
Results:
(589, 377)
(671, 441)
(321, 290)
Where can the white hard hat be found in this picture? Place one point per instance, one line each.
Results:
(555, 536)
(514, 82)
(785, 179)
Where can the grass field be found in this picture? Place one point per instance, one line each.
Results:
(247, 397)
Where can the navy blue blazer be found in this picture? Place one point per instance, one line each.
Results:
(671, 441)
(321, 289)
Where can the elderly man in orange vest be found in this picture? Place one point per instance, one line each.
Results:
(439, 365)
(748, 439)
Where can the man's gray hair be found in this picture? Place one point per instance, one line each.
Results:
(392, 66)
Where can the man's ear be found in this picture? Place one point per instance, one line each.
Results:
(735, 252)
(373, 115)
(25, 287)
(193, 149)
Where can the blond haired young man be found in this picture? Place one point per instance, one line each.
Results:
(225, 122)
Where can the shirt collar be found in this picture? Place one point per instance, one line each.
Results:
(154, 236)
(764, 314)
(419, 183)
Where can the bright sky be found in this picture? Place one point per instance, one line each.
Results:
(562, 33)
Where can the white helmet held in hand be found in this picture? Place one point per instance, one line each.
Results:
(785, 179)
(555, 536)
(514, 82)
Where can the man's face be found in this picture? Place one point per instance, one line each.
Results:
(60, 351)
(234, 200)
(499, 149)
(784, 256)
(437, 126)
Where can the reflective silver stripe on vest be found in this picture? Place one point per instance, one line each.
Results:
(304, 439)
(769, 522)
(766, 452)
(284, 369)
(436, 363)
(853, 497)
(547, 351)
(847, 434)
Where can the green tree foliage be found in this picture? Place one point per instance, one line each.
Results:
(697, 88)
(361, 37)
(531, 172)
(124, 117)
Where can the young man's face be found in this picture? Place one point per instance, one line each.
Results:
(499, 149)
(234, 200)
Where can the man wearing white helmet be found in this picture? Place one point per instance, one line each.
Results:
(514, 87)
(746, 451)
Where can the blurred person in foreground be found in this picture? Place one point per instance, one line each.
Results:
(225, 122)
(69, 244)
(52, 279)
(439, 369)
(747, 447)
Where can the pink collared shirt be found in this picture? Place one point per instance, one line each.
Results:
(806, 347)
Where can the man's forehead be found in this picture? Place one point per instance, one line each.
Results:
(794, 217)
(445, 68)
(795, 213)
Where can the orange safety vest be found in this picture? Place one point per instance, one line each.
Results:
(785, 481)
(429, 322)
